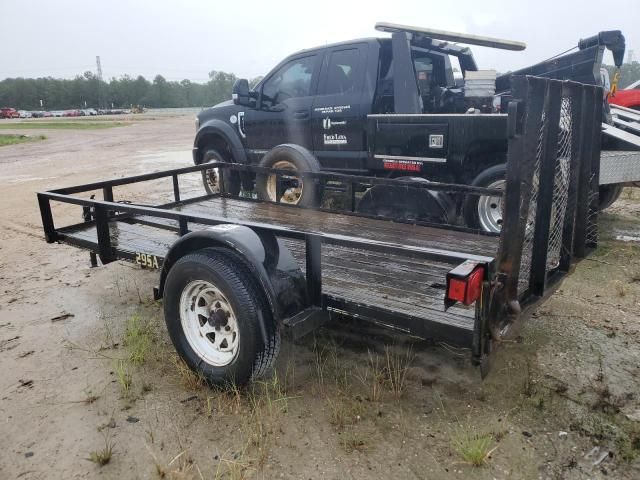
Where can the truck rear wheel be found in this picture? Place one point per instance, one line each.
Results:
(290, 189)
(608, 194)
(215, 314)
(213, 178)
(484, 212)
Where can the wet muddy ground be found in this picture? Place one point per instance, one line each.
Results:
(86, 363)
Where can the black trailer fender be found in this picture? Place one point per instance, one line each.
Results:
(268, 259)
(216, 128)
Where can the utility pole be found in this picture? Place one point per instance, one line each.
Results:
(630, 56)
(99, 69)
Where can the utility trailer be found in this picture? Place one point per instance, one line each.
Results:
(237, 272)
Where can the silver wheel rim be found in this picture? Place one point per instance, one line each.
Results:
(291, 195)
(209, 323)
(212, 179)
(490, 209)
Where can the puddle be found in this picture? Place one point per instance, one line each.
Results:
(149, 161)
(175, 159)
(26, 178)
(628, 238)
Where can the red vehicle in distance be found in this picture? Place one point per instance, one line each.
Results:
(9, 113)
(628, 97)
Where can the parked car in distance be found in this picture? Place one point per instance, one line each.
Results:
(24, 114)
(627, 97)
(47, 114)
(89, 111)
(8, 112)
(71, 113)
(57, 113)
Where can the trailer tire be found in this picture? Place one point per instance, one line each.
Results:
(215, 176)
(608, 194)
(295, 158)
(482, 211)
(218, 318)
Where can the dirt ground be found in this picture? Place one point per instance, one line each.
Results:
(86, 363)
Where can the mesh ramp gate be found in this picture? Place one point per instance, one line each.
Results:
(552, 184)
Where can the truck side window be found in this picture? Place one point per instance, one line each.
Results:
(341, 72)
(292, 80)
(383, 102)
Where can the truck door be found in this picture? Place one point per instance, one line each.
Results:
(283, 112)
(339, 112)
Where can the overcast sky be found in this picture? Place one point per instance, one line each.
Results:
(189, 38)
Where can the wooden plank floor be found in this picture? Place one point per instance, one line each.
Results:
(397, 283)
(361, 227)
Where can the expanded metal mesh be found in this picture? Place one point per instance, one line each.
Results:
(562, 169)
(527, 245)
(592, 218)
(560, 185)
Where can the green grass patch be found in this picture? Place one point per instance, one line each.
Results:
(138, 338)
(474, 448)
(55, 125)
(14, 139)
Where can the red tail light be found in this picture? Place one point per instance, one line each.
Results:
(464, 284)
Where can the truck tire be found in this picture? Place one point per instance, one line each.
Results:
(295, 191)
(217, 318)
(484, 212)
(212, 178)
(608, 194)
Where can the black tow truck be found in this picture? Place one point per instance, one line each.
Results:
(236, 272)
(365, 107)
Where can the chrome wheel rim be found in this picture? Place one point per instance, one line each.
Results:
(290, 195)
(490, 209)
(209, 323)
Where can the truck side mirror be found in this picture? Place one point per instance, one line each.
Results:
(240, 93)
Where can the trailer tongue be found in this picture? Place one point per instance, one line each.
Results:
(236, 272)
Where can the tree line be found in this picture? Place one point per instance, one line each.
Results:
(87, 91)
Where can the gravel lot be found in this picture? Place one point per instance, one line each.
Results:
(563, 402)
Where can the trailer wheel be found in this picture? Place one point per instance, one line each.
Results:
(217, 318)
(293, 190)
(484, 212)
(608, 194)
(212, 178)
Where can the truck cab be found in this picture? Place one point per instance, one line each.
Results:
(318, 99)
(321, 98)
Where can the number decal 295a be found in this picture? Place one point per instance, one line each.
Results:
(147, 260)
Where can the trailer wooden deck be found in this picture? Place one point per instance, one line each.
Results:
(385, 280)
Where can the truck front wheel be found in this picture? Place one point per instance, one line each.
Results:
(214, 177)
(217, 318)
(292, 189)
(484, 212)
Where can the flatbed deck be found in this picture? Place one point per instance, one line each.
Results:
(392, 282)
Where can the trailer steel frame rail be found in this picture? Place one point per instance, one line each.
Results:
(550, 219)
